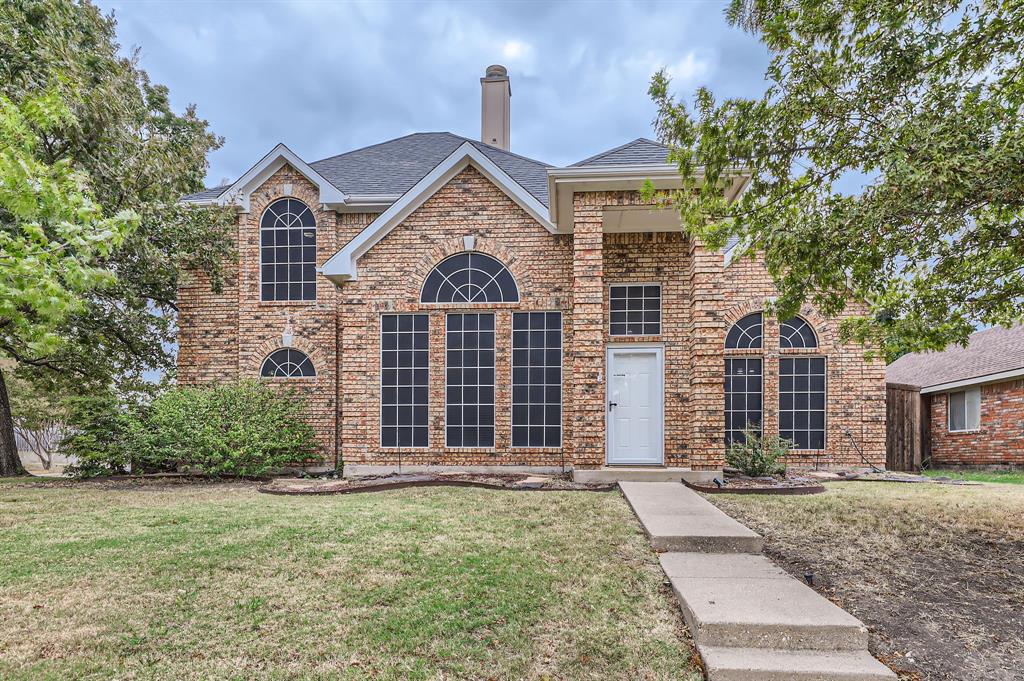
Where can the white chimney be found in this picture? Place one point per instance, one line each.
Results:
(496, 96)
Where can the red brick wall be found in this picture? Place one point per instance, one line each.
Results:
(999, 439)
(224, 336)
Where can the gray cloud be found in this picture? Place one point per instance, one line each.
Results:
(327, 77)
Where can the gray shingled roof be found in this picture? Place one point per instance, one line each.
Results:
(393, 167)
(991, 351)
(639, 151)
(211, 193)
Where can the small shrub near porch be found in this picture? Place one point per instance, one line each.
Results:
(244, 428)
(758, 456)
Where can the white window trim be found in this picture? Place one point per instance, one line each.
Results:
(824, 447)
(661, 309)
(949, 411)
(561, 385)
(380, 380)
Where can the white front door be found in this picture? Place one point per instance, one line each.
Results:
(634, 406)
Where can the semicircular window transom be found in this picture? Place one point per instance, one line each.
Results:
(287, 363)
(797, 333)
(469, 277)
(746, 333)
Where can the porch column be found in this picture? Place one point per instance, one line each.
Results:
(707, 364)
(586, 379)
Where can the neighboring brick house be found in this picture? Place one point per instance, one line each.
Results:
(972, 399)
(445, 302)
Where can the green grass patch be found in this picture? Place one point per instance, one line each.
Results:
(220, 582)
(1008, 477)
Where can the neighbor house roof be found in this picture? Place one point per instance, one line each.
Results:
(640, 151)
(392, 168)
(990, 355)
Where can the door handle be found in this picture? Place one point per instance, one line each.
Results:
(612, 405)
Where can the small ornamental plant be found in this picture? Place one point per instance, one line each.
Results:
(758, 456)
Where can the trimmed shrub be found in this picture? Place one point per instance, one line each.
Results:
(758, 456)
(245, 428)
(97, 435)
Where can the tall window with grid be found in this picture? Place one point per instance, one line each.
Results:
(802, 401)
(469, 380)
(288, 251)
(743, 393)
(537, 379)
(405, 387)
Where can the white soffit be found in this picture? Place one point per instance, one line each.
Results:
(238, 193)
(342, 265)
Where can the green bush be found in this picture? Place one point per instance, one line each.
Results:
(758, 456)
(97, 435)
(244, 428)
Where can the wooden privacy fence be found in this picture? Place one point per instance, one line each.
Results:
(906, 427)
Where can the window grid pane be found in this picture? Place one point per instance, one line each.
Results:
(537, 379)
(802, 401)
(469, 278)
(287, 363)
(746, 333)
(405, 386)
(469, 380)
(743, 394)
(288, 251)
(635, 310)
(797, 333)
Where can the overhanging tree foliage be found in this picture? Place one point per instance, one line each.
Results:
(919, 100)
(138, 155)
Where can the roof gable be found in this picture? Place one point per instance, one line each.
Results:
(238, 193)
(342, 265)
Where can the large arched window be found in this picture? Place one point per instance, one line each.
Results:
(288, 251)
(797, 333)
(469, 277)
(287, 363)
(746, 333)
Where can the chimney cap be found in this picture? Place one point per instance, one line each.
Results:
(496, 71)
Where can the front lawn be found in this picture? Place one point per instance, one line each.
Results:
(1009, 477)
(935, 571)
(171, 581)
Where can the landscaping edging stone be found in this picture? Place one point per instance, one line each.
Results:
(328, 487)
(792, 490)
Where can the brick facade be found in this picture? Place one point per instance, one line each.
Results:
(228, 335)
(999, 440)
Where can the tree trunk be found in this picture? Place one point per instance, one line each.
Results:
(10, 462)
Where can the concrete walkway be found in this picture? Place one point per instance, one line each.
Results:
(750, 620)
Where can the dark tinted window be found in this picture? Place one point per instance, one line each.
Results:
(797, 333)
(469, 380)
(743, 390)
(746, 333)
(469, 278)
(404, 385)
(288, 251)
(287, 363)
(802, 401)
(537, 379)
(635, 310)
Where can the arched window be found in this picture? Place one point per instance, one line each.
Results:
(287, 363)
(288, 251)
(469, 277)
(746, 333)
(797, 333)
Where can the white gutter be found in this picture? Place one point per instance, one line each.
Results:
(975, 380)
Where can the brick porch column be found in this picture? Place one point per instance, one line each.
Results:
(707, 365)
(586, 378)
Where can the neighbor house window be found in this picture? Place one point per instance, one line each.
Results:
(635, 310)
(802, 401)
(746, 333)
(965, 410)
(743, 390)
(404, 380)
(469, 383)
(288, 251)
(287, 363)
(537, 379)
(469, 278)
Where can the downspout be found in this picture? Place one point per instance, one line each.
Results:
(337, 385)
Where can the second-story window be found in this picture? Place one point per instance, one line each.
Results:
(288, 251)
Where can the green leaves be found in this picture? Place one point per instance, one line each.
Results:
(885, 159)
(53, 236)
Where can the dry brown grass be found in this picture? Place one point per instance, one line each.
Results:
(937, 571)
(220, 582)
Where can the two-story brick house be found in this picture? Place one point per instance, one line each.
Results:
(442, 301)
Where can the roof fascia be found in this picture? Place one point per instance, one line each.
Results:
(238, 193)
(342, 265)
(974, 380)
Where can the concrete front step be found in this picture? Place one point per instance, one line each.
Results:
(747, 601)
(678, 519)
(643, 474)
(761, 664)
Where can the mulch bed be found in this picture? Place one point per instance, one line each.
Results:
(381, 483)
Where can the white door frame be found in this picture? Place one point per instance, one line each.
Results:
(624, 348)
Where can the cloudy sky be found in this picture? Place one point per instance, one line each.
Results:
(326, 77)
